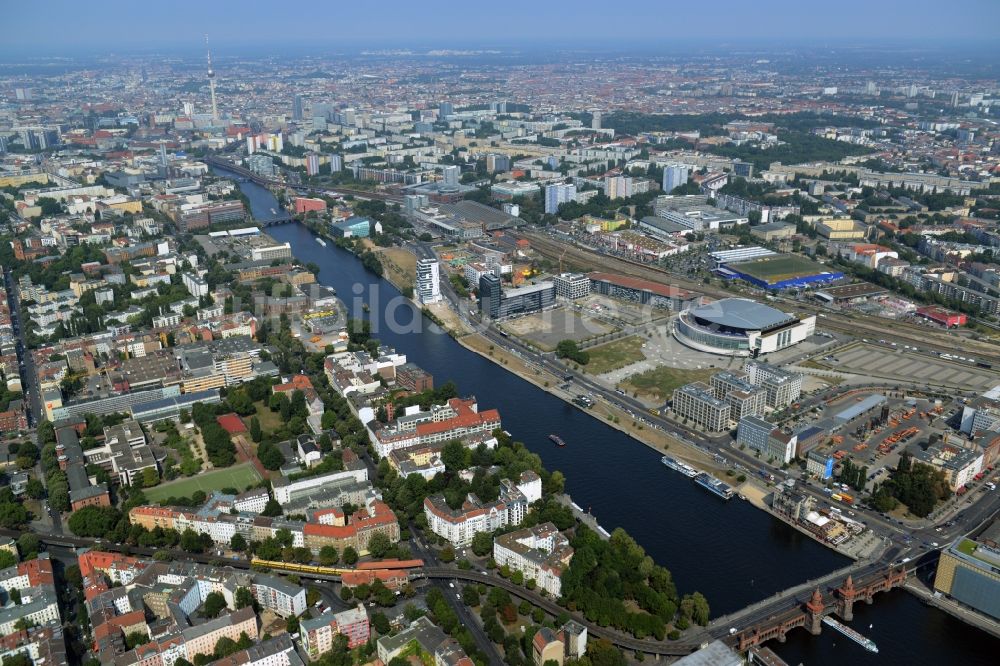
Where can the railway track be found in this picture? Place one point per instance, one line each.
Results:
(855, 325)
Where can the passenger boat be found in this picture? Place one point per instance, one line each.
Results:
(866, 643)
(677, 465)
(714, 485)
(321, 242)
(558, 440)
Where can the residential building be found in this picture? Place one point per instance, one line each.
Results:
(960, 465)
(557, 194)
(317, 633)
(428, 283)
(541, 553)
(674, 175)
(280, 596)
(458, 526)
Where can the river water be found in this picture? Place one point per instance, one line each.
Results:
(732, 553)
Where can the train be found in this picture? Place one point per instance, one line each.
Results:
(313, 570)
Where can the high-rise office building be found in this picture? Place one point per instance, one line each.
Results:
(451, 175)
(595, 120)
(445, 109)
(297, 113)
(558, 194)
(674, 175)
(428, 281)
(490, 295)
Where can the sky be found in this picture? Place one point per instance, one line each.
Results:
(40, 27)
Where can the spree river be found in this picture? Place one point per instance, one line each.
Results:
(731, 552)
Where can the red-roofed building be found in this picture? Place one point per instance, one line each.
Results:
(376, 517)
(296, 383)
(305, 204)
(394, 579)
(946, 318)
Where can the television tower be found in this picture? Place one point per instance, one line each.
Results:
(211, 81)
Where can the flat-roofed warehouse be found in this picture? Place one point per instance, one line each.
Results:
(475, 212)
(643, 292)
(740, 327)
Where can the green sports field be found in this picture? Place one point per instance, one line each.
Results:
(239, 476)
(779, 268)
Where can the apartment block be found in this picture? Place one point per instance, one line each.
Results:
(541, 553)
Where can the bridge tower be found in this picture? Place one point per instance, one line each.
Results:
(815, 608)
(847, 596)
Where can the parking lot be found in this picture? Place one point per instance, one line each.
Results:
(887, 362)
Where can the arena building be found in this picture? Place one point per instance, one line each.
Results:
(740, 327)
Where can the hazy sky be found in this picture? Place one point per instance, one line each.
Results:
(42, 26)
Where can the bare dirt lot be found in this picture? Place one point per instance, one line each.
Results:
(546, 329)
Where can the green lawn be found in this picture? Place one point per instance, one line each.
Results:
(608, 357)
(661, 382)
(967, 546)
(269, 421)
(239, 477)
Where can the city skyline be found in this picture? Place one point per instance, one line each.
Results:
(521, 24)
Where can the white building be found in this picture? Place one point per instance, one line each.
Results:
(541, 553)
(428, 281)
(279, 595)
(195, 284)
(572, 285)
(557, 194)
(674, 175)
(458, 526)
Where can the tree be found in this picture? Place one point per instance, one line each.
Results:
(454, 456)
(28, 545)
(569, 349)
(381, 623)
(292, 625)
(150, 477)
(270, 457)
(272, 509)
(255, 431)
(447, 554)
(7, 559)
(482, 543)
(191, 541)
(470, 596)
(238, 543)
(243, 598)
(328, 556)
(213, 605)
(94, 521)
(350, 556)
(379, 544)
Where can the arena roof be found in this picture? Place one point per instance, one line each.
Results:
(741, 313)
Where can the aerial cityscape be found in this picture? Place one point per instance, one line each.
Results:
(548, 334)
